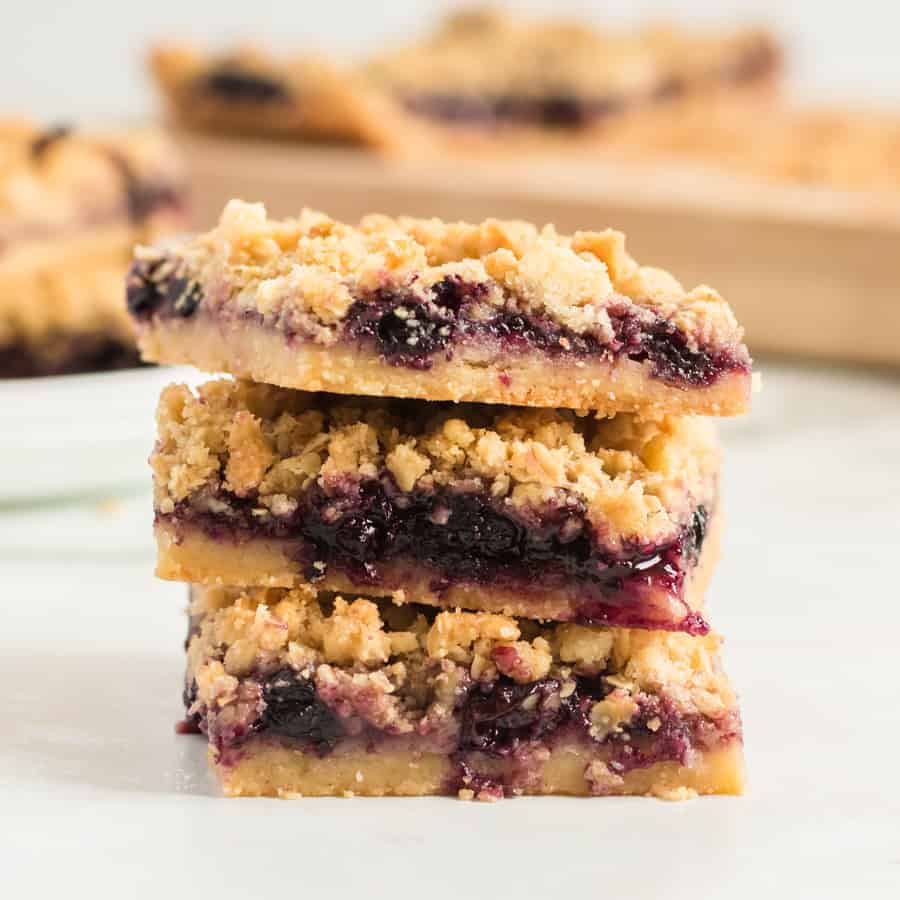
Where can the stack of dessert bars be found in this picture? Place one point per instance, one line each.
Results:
(450, 524)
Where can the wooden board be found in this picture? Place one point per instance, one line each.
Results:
(809, 272)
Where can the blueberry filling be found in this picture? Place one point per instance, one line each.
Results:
(294, 710)
(192, 721)
(568, 110)
(555, 110)
(470, 538)
(232, 81)
(497, 716)
(406, 331)
(148, 293)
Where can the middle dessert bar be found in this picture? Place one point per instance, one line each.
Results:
(543, 514)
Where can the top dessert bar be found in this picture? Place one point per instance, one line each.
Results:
(498, 312)
(486, 69)
(72, 207)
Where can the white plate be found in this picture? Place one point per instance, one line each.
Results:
(79, 434)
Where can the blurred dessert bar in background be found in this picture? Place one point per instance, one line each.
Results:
(250, 92)
(481, 72)
(72, 207)
(488, 70)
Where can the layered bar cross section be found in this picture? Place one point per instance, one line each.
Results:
(308, 694)
(498, 312)
(539, 513)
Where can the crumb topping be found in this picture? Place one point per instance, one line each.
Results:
(635, 477)
(264, 629)
(303, 275)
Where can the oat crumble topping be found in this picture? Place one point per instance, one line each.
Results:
(382, 646)
(304, 274)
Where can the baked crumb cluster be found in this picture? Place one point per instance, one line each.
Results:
(393, 650)
(271, 444)
(305, 274)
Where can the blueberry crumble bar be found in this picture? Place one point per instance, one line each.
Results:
(72, 207)
(247, 91)
(498, 312)
(539, 513)
(489, 70)
(312, 694)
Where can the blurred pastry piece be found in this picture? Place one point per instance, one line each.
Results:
(72, 207)
(487, 70)
(249, 92)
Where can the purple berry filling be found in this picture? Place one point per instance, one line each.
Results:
(147, 294)
(405, 331)
(231, 81)
(293, 709)
(566, 110)
(498, 716)
(562, 110)
(469, 538)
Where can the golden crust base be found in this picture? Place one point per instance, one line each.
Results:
(523, 379)
(273, 771)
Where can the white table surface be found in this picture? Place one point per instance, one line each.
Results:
(99, 796)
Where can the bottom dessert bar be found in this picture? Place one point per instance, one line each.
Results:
(309, 694)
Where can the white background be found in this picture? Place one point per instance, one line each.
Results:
(85, 59)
